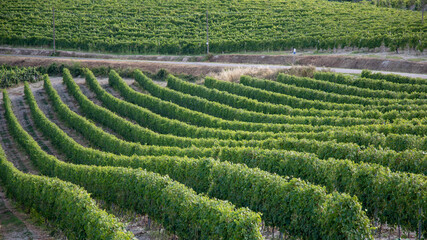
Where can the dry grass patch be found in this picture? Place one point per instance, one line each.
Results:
(233, 74)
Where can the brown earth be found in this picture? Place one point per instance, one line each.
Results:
(14, 224)
(334, 60)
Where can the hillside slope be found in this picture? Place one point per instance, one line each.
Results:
(177, 27)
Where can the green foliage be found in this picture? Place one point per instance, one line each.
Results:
(324, 149)
(278, 92)
(415, 161)
(198, 173)
(162, 74)
(11, 76)
(241, 175)
(234, 26)
(380, 190)
(54, 69)
(104, 140)
(174, 111)
(178, 208)
(417, 83)
(68, 205)
(309, 88)
(160, 124)
(130, 131)
(397, 142)
(405, 4)
(215, 178)
(383, 105)
(229, 113)
(239, 96)
(163, 125)
(366, 87)
(283, 92)
(171, 110)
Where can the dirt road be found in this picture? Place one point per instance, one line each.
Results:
(406, 61)
(194, 68)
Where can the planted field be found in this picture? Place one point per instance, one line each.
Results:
(179, 27)
(405, 4)
(329, 157)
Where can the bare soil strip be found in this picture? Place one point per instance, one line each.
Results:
(191, 68)
(330, 61)
(15, 225)
(382, 61)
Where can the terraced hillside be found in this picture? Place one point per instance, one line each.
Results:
(179, 27)
(329, 157)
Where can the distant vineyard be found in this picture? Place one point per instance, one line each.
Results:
(179, 27)
(343, 154)
(405, 4)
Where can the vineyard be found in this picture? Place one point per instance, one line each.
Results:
(179, 27)
(328, 157)
(405, 4)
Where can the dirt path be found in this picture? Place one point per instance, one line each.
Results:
(203, 68)
(16, 225)
(406, 61)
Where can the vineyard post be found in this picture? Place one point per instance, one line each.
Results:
(53, 22)
(207, 33)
